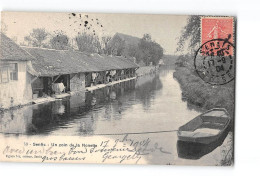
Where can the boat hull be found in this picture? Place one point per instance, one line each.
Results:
(203, 140)
(187, 132)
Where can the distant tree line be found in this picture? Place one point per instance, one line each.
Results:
(146, 51)
(59, 40)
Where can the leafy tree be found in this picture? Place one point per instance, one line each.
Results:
(134, 51)
(37, 37)
(60, 41)
(150, 51)
(156, 53)
(191, 33)
(116, 46)
(88, 43)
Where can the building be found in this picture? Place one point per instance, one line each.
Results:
(29, 73)
(15, 74)
(75, 70)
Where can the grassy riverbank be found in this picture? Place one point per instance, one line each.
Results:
(202, 94)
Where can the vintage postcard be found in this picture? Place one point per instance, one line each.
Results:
(117, 88)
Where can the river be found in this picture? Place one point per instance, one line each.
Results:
(149, 106)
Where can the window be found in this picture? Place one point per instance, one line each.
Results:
(13, 70)
(4, 75)
(8, 72)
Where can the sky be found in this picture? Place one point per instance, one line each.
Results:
(164, 29)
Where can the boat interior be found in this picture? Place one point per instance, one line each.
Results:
(212, 122)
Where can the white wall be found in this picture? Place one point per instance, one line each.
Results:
(20, 90)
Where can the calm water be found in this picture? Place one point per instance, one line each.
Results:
(150, 103)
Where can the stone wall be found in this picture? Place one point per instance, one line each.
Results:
(77, 82)
(146, 70)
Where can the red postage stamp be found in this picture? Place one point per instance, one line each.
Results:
(217, 28)
(215, 60)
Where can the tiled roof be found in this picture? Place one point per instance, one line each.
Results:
(9, 50)
(50, 62)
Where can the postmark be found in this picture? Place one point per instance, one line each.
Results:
(214, 61)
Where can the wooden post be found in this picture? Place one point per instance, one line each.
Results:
(73, 75)
(34, 79)
(53, 81)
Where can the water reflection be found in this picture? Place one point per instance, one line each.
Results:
(16, 121)
(150, 103)
(146, 88)
(81, 110)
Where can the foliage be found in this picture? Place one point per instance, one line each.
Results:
(143, 50)
(150, 51)
(37, 37)
(185, 61)
(116, 46)
(59, 41)
(203, 95)
(88, 43)
(104, 41)
(190, 32)
(169, 59)
(134, 51)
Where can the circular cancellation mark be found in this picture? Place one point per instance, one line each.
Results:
(214, 62)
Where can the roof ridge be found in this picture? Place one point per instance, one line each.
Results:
(51, 49)
(42, 48)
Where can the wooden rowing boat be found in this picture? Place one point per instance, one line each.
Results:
(205, 128)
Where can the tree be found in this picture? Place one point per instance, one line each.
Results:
(150, 51)
(190, 32)
(37, 37)
(88, 43)
(60, 41)
(133, 51)
(105, 46)
(116, 46)
(156, 53)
